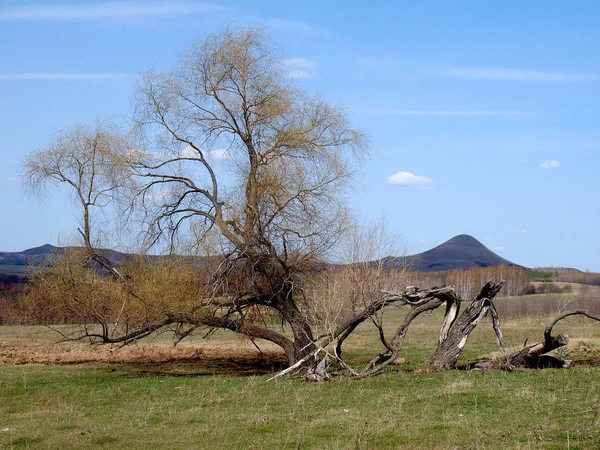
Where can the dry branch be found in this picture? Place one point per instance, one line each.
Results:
(535, 356)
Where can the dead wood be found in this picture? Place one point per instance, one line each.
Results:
(456, 330)
(535, 356)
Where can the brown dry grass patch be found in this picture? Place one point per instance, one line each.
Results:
(240, 358)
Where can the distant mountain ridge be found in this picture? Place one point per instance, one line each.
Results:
(17, 263)
(461, 252)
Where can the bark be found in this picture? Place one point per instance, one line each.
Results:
(304, 342)
(535, 356)
(420, 301)
(456, 330)
(319, 371)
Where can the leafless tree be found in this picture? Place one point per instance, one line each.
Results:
(274, 208)
(93, 163)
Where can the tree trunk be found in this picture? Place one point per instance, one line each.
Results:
(304, 342)
(455, 331)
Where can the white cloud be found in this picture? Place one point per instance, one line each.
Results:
(107, 11)
(216, 154)
(293, 25)
(300, 68)
(188, 152)
(138, 10)
(520, 231)
(159, 196)
(300, 74)
(426, 112)
(13, 179)
(550, 164)
(65, 76)
(411, 180)
(300, 63)
(509, 74)
(423, 241)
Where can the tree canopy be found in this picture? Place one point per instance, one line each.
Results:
(233, 163)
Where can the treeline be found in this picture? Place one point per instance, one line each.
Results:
(468, 282)
(543, 307)
(567, 275)
(10, 287)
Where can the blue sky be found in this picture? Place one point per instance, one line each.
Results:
(483, 115)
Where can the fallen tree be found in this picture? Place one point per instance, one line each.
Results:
(454, 332)
(536, 356)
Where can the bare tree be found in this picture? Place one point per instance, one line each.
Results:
(291, 156)
(93, 163)
(274, 209)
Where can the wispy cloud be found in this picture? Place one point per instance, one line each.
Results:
(500, 248)
(216, 154)
(292, 25)
(13, 179)
(300, 68)
(139, 10)
(300, 63)
(509, 74)
(429, 112)
(520, 231)
(188, 152)
(159, 196)
(550, 164)
(65, 76)
(107, 11)
(300, 74)
(411, 180)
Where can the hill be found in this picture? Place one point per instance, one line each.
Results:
(18, 263)
(461, 252)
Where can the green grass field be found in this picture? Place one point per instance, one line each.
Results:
(81, 407)
(206, 401)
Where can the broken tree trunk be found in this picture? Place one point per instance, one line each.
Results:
(319, 371)
(419, 301)
(535, 356)
(456, 330)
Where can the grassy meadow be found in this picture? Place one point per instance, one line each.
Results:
(215, 394)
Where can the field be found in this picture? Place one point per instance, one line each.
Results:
(215, 394)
